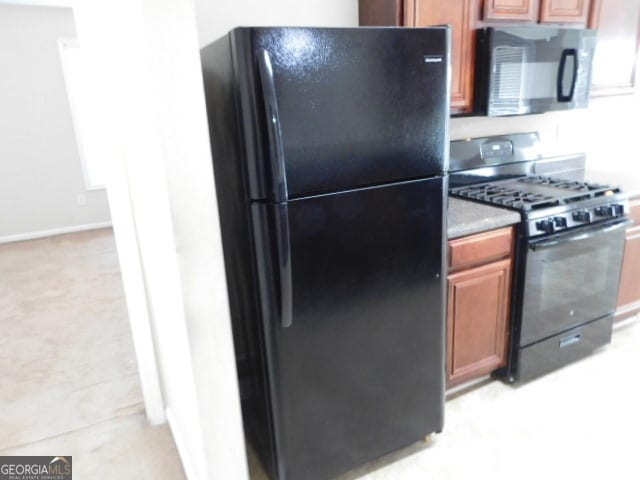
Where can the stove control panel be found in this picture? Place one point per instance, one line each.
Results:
(576, 218)
(609, 211)
(560, 222)
(546, 226)
(582, 216)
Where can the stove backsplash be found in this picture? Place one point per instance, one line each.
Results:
(605, 132)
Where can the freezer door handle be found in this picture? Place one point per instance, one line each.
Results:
(283, 240)
(276, 150)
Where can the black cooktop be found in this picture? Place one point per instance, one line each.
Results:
(534, 192)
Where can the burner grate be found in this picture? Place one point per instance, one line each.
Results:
(507, 196)
(525, 194)
(597, 189)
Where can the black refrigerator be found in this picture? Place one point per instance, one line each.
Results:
(330, 148)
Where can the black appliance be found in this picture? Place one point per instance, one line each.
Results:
(522, 70)
(330, 154)
(569, 248)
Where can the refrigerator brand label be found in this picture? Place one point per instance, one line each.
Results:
(433, 59)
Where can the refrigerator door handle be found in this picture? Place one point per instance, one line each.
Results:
(284, 264)
(276, 150)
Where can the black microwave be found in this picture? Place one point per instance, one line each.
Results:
(522, 70)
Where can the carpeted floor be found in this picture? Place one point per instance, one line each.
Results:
(69, 383)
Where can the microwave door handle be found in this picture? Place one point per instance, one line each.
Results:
(274, 132)
(566, 53)
(582, 236)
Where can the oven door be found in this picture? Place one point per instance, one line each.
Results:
(570, 279)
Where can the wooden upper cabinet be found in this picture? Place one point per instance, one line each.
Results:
(614, 64)
(544, 11)
(462, 16)
(521, 10)
(564, 11)
(381, 12)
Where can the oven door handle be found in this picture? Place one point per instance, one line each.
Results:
(581, 236)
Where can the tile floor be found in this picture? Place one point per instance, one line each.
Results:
(68, 378)
(582, 422)
(69, 386)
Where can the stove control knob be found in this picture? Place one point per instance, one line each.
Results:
(560, 222)
(582, 216)
(546, 226)
(605, 211)
(618, 210)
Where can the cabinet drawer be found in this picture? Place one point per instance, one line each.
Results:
(480, 248)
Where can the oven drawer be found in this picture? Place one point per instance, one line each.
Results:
(559, 350)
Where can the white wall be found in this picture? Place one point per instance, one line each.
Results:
(175, 65)
(154, 91)
(217, 17)
(40, 169)
(607, 131)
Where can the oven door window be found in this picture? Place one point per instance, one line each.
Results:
(570, 280)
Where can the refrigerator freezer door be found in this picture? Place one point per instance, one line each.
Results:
(355, 107)
(359, 371)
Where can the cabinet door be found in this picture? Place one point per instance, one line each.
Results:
(614, 64)
(526, 10)
(478, 312)
(380, 12)
(629, 290)
(462, 16)
(564, 11)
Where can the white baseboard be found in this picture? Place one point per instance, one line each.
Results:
(54, 231)
(190, 469)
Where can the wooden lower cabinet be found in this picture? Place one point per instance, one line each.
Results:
(478, 318)
(629, 290)
(479, 293)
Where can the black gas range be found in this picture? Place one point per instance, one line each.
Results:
(550, 205)
(569, 247)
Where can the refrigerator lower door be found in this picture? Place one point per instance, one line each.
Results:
(358, 371)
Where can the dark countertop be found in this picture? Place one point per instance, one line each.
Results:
(466, 218)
